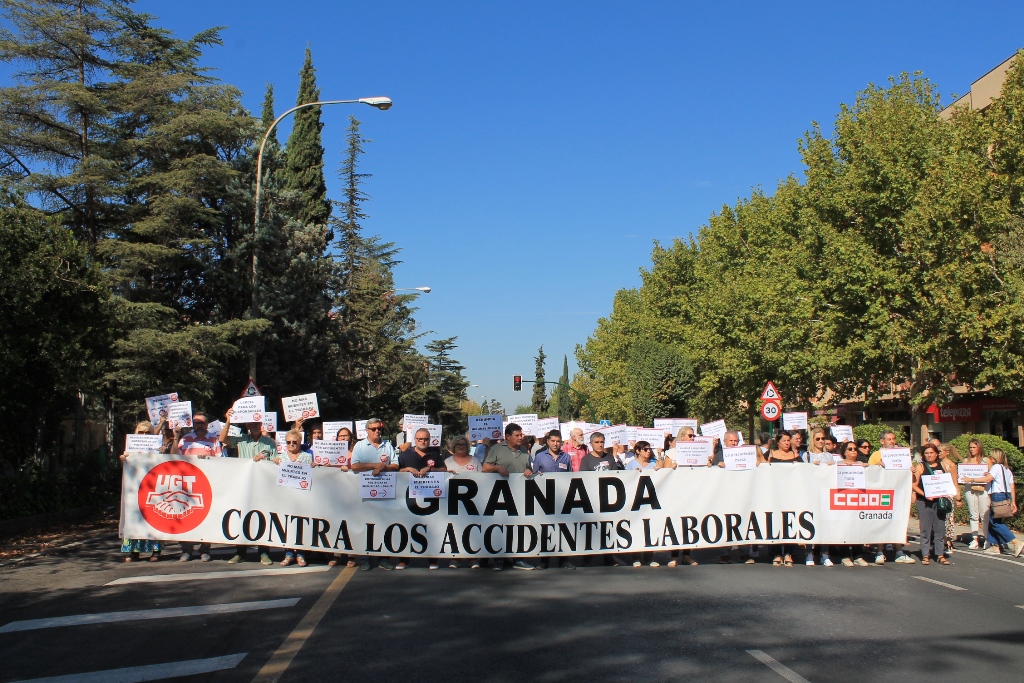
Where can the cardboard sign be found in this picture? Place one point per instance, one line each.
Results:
(716, 429)
(270, 422)
(280, 438)
(485, 427)
(965, 471)
(544, 425)
(301, 407)
(740, 458)
(672, 425)
(851, 477)
(156, 406)
(179, 415)
(692, 453)
(842, 433)
(330, 452)
(248, 409)
(331, 428)
(143, 443)
(938, 485)
(435, 434)
(896, 458)
(655, 437)
(380, 487)
(794, 421)
(295, 475)
(615, 434)
(430, 485)
(410, 420)
(526, 421)
(361, 429)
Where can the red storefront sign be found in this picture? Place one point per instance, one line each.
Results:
(970, 410)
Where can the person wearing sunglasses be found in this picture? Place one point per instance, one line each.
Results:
(374, 454)
(251, 445)
(198, 443)
(294, 453)
(851, 456)
(418, 461)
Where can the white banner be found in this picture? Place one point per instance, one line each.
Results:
(227, 500)
(302, 407)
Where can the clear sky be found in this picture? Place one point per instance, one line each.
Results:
(536, 150)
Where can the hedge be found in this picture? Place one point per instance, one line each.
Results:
(1016, 461)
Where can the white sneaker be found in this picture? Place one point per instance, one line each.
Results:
(880, 558)
(809, 561)
(974, 544)
(825, 561)
(904, 559)
(847, 562)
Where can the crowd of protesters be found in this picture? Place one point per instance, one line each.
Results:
(990, 499)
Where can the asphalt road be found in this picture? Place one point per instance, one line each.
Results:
(714, 622)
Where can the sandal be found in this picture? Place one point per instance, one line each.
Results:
(688, 561)
(332, 563)
(671, 563)
(350, 563)
(943, 560)
(788, 561)
(926, 560)
(132, 557)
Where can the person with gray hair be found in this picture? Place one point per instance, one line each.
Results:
(888, 440)
(373, 454)
(598, 459)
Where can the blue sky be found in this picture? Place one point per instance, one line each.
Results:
(536, 150)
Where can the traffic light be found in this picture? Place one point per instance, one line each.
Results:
(517, 383)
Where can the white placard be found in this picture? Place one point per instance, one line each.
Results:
(965, 471)
(143, 443)
(740, 458)
(544, 425)
(380, 487)
(613, 434)
(435, 434)
(567, 427)
(248, 409)
(235, 430)
(526, 421)
(851, 477)
(655, 437)
(794, 421)
(156, 406)
(842, 433)
(303, 407)
(430, 485)
(896, 458)
(411, 420)
(280, 438)
(330, 452)
(270, 422)
(485, 427)
(295, 475)
(692, 453)
(672, 425)
(938, 485)
(716, 429)
(361, 429)
(331, 428)
(179, 415)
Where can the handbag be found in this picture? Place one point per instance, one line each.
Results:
(1001, 509)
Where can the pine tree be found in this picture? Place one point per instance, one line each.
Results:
(540, 403)
(304, 160)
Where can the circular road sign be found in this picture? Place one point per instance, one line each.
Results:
(771, 411)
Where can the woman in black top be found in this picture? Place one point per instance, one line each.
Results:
(782, 453)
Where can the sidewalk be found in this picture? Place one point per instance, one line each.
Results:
(963, 532)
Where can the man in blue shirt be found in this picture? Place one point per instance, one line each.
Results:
(553, 460)
(373, 454)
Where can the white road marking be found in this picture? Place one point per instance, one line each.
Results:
(227, 573)
(777, 667)
(137, 615)
(152, 672)
(940, 583)
(979, 553)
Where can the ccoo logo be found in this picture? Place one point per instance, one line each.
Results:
(842, 499)
(175, 497)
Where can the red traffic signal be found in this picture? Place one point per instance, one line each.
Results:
(517, 383)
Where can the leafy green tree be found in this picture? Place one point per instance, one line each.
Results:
(539, 402)
(304, 160)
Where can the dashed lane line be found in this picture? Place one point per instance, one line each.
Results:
(777, 667)
(142, 614)
(151, 672)
(224, 574)
(940, 583)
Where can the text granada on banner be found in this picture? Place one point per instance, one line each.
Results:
(226, 500)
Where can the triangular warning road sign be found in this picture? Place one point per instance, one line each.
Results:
(770, 393)
(251, 390)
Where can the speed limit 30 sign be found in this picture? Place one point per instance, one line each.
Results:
(771, 411)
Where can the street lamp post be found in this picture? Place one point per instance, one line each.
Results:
(425, 290)
(382, 103)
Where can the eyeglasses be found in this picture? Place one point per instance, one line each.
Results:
(423, 438)
(864, 447)
(373, 429)
(641, 450)
(293, 443)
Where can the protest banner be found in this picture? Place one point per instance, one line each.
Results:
(693, 453)
(156, 406)
(232, 501)
(430, 485)
(851, 477)
(143, 443)
(716, 429)
(179, 415)
(328, 452)
(331, 428)
(896, 458)
(270, 422)
(965, 471)
(842, 433)
(248, 409)
(296, 475)
(485, 427)
(526, 421)
(303, 407)
(794, 421)
(740, 458)
(938, 485)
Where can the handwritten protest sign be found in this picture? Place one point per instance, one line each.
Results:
(485, 427)
(965, 471)
(842, 433)
(716, 429)
(248, 409)
(938, 485)
(655, 437)
(544, 425)
(301, 407)
(156, 406)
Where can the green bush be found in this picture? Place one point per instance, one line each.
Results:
(873, 433)
(1016, 462)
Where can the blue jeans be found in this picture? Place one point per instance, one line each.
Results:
(999, 533)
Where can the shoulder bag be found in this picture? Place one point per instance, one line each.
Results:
(1001, 509)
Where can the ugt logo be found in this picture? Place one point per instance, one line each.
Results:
(175, 497)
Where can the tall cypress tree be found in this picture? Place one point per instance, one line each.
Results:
(540, 402)
(304, 161)
(560, 403)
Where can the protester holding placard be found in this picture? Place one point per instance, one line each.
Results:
(509, 458)
(251, 445)
(1001, 490)
(373, 454)
(948, 457)
(888, 440)
(782, 453)
(931, 511)
(294, 453)
(418, 461)
(134, 546)
(345, 434)
(976, 492)
(850, 457)
(197, 444)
